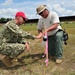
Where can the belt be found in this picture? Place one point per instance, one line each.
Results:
(59, 30)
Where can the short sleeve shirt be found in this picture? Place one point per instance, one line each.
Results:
(44, 23)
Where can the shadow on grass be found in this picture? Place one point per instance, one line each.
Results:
(1, 64)
(34, 58)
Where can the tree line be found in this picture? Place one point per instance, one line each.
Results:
(4, 20)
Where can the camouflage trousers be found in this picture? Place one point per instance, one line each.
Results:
(12, 49)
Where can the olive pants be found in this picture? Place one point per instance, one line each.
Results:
(55, 44)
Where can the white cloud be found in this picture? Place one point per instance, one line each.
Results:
(69, 12)
(8, 2)
(63, 11)
(48, 0)
(62, 3)
(8, 8)
(49, 7)
(73, 13)
(7, 13)
(58, 8)
(73, 0)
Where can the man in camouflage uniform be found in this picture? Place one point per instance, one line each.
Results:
(12, 37)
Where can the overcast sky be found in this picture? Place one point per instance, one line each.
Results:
(8, 8)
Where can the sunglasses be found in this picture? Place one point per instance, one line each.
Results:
(40, 13)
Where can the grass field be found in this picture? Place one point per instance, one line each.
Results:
(32, 63)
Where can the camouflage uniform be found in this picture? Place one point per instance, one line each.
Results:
(12, 38)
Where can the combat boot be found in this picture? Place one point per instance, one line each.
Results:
(7, 61)
(58, 61)
(14, 60)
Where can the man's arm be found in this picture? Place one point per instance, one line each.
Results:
(53, 27)
(39, 35)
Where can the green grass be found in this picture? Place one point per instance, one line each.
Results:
(29, 27)
(31, 62)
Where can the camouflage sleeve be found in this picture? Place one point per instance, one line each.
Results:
(27, 35)
(15, 29)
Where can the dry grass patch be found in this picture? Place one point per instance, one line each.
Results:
(32, 63)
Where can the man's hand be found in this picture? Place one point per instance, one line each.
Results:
(45, 31)
(39, 36)
(27, 46)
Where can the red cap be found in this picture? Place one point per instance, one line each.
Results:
(21, 14)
